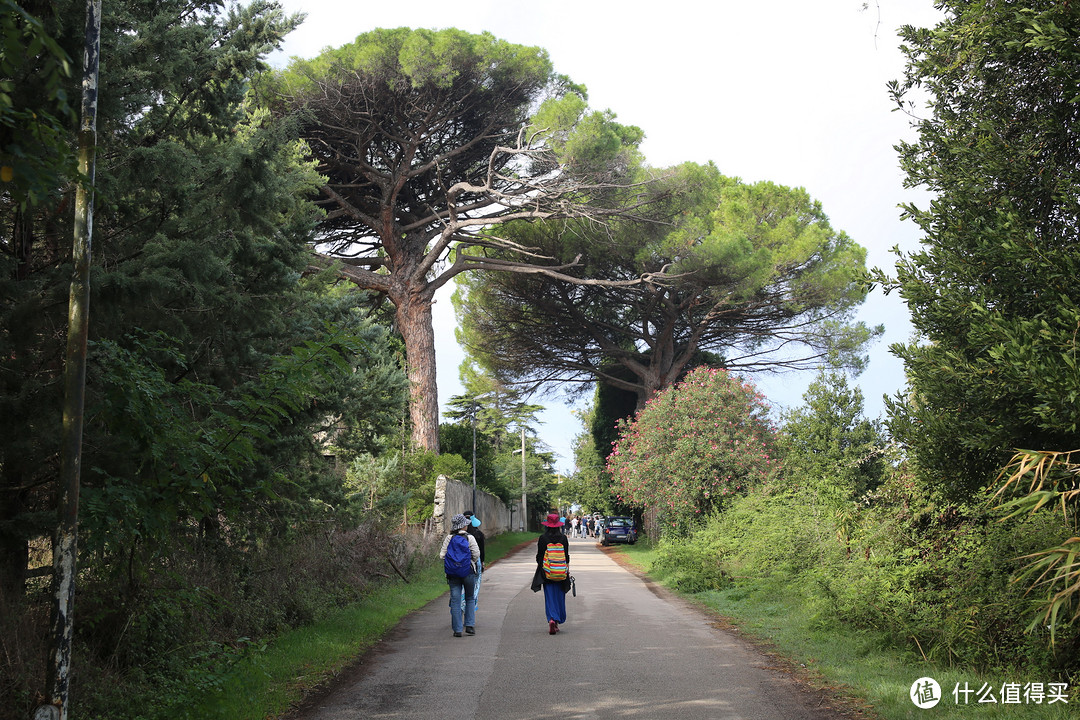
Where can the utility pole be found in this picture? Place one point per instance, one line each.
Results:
(65, 541)
(524, 513)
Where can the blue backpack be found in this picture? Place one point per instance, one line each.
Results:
(458, 559)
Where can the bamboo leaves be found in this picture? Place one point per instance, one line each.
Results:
(1053, 480)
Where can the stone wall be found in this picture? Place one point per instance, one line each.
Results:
(453, 497)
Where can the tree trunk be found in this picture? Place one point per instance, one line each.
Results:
(652, 382)
(415, 323)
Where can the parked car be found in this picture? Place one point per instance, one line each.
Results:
(618, 529)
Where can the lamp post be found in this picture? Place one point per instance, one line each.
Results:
(472, 415)
(474, 455)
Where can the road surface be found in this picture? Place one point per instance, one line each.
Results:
(624, 652)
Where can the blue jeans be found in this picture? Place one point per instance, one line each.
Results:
(476, 590)
(462, 586)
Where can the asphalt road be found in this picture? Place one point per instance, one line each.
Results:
(625, 651)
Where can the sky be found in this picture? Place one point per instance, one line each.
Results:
(789, 91)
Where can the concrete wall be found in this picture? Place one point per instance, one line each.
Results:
(453, 497)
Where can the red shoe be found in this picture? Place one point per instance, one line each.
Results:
(553, 627)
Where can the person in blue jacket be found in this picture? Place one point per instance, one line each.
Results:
(459, 586)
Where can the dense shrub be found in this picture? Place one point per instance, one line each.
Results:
(691, 566)
(934, 579)
(178, 625)
(692, 447)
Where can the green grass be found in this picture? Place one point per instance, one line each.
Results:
(273, 679)
(858, 665)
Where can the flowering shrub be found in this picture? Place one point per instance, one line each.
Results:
(693, 445)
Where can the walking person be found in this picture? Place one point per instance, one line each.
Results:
(460, 553)
(553, 570)
(473, 529)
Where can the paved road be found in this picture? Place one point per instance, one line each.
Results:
(624, 652)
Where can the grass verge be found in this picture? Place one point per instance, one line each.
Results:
(274, 679)
(859, 666)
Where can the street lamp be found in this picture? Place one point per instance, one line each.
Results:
(474, 455)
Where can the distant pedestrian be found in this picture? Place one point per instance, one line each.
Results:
(473, 529)
(460, 553)
(553, 570)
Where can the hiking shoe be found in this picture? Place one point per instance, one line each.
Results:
(553, 627)
(457, 634)
(470, 630)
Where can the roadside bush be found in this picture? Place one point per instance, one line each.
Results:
(941, 583)
(691, 567)
(396, 487)
(185, 621)
(692, 448)
(932, 578)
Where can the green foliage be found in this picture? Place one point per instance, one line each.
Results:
(540, 479)
(447, 115)
(170, 646)
(495, 406)
(36, 117)
(452, 466)
(992, 292)
(693, 447)
(708, 270)
(932, 580)
(690, 567)
(157, 464)
(611, 406)
(1052, 574)
(200, 232)
(586, 142)
(457, 440)
(829, 446)
(398, 488)
(883, 552)
(221, 371)
(447, 59)
(590, 485)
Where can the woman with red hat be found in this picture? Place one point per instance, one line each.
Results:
(553, 570)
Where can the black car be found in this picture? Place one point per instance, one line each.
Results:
(618, 529)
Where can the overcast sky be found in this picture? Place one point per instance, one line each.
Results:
(791, 91)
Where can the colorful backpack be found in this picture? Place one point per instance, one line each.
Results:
(555, 562)
(458, 559)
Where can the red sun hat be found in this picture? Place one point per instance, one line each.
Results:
(552, 520)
